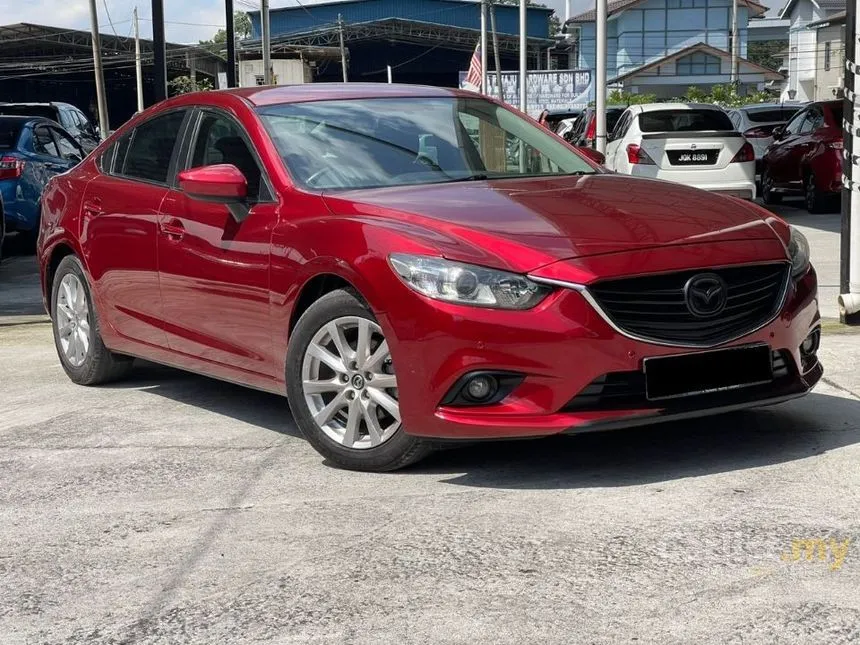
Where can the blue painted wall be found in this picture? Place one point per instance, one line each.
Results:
(455, 13)
(657, 28)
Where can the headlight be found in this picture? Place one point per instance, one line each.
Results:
(798, 250)
(467, 284)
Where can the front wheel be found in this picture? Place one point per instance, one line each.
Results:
(342, 387)
(77, 334)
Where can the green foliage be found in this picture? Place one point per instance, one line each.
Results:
(725, 96)
(218, 43)
(619, 97)
(763, 52)
(185, 84)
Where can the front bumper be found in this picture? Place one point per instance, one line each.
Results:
(561, 347)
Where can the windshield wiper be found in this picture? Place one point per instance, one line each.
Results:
(478, 176)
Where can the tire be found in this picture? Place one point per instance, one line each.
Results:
(376, 441)
(816, 201)
(91, 363)
(767, 195)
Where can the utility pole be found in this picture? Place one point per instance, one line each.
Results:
(266, 42)
(523, 61)
(342, 48)
(101, 99)
(735, 47)
(138, 68)
(849, 265)
(483, 46)
(600, 81)
(159, 56)
(231, 44)
(499, 88)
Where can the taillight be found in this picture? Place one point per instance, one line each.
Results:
(636, 155)
(591, 130)
(758, 133)
(746, 153)
(836, 145)
(11, 167)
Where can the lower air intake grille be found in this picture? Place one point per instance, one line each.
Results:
(657, 308)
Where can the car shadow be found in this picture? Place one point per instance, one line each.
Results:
(262, 409)
(656, 453)
(651, 454)
(20, 294)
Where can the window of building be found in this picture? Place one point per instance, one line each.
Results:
(259, 80)
(827, 57)
(698, 64)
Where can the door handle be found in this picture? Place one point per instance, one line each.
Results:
(93, 207)
(173, 229)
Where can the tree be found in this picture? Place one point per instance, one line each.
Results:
(218, 43)
(763, 52)
(725, 96)
(620, 97)
(185, 84)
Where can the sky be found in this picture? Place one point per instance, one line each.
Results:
(187, 20)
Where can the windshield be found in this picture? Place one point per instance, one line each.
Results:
(684, 121)
(371, 143)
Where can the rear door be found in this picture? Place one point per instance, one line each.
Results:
(120, 227)
(689, 138)
(214, 271)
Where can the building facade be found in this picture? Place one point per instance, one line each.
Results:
(803, 54)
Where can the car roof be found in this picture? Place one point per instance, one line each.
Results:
(31, 104)
(260, 96)
(654, 107)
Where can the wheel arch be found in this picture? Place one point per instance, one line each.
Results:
(56, 255)
(315, 288)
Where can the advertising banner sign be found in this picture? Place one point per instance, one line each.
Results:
(546, 89)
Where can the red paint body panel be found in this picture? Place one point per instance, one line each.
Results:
(180, 281)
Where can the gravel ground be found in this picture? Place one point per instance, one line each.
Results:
(171, 508)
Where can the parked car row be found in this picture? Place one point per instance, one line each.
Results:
(783, 148)
(37, 141)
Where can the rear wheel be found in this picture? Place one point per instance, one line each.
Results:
(767, 195)
(342, 387)
(816, 201)
(77, 334)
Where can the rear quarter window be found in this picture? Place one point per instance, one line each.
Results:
(685, 121)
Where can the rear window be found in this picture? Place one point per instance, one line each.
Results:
(9, 135)
(44, 111)
(684, 121)
(771, 116)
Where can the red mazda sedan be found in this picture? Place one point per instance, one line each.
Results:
(410, 265)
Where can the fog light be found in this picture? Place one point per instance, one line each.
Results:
(809, 349)
(480, 388)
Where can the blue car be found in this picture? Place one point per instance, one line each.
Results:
(32, 150)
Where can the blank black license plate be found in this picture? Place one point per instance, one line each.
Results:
(693, 157)
(669, 377)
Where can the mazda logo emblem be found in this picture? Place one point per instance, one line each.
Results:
(705, 294)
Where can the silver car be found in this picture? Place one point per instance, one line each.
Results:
(757, 122)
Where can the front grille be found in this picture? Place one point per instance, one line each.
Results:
(626, 390)
(655, 308)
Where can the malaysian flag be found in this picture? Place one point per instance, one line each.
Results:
(475, 75)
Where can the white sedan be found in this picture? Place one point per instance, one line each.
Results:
(690, 144)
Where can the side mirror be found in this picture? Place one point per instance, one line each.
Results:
(595, 155)
(218, 184)
(777, 132)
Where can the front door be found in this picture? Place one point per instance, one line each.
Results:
(781, 160)
(120, 228)
(214, 271)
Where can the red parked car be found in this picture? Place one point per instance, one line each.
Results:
(806, 158)
(406, 276)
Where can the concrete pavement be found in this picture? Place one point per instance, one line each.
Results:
(172, 508)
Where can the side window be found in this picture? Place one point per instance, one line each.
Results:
(736, 120)
(808, 124)
(67, 146)
(793, 126)
(221, 140)
(622, 126)
(816, 120)
(150, 148)
(43, 142)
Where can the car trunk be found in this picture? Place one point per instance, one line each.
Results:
(705, 150)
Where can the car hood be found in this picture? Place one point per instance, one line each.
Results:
(527, 223)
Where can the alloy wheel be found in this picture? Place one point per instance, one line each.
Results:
(811, 201)
(72, 319)
(349, 384)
